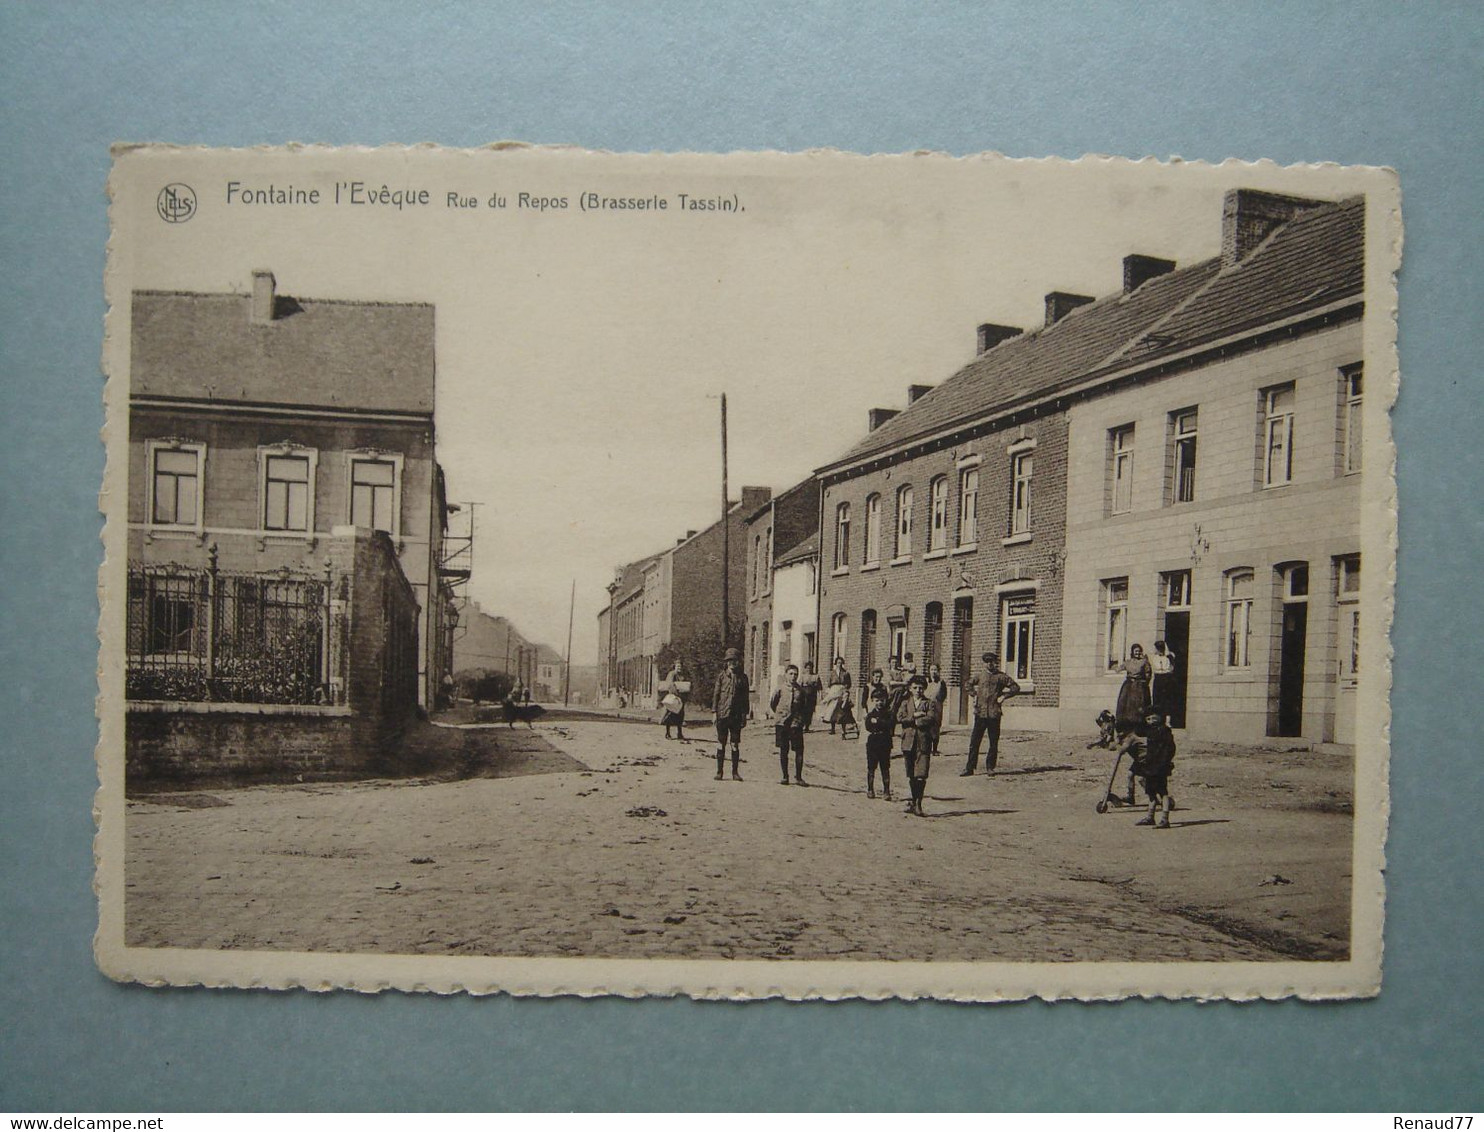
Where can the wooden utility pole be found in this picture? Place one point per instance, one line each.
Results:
(567, 679)
(726, 537)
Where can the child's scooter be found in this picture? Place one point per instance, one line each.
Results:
(1108, 795)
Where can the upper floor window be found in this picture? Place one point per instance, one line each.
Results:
(1351, 379)
(1238, 618)
(1277, 412)
(1182, 466)
(288, 488)
(373, 494)
(968, 507)
(175, 484)
(1021, 466)
(757, 559)
(842, 536)
(1121, 468)
(873, 529)
(904, 521)
(938, 518)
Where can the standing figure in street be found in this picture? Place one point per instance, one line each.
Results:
(1162, 663)
(918, 719)
(787, 705)
(937, 691)
(840, 708)
(812, 686)
(732, 700)
(991, 689)
(879, 728)
(1133, 696)
(677, 694)
(1151, 751)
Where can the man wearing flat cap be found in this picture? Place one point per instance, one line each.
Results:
(732, 699)
(991, 689)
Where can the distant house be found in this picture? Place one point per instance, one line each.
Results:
(286, 510)
(670, 604)
(775, 528)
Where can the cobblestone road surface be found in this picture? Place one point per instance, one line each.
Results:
(599, 838)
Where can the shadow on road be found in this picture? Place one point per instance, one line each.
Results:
(967, 813)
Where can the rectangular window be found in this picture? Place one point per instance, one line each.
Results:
(172, 615)
(1121, 468)
(176, 483)
(873, 530)
(842, 536)
(1352, 378)
(938, 521)
(287, 503)
(1115, 630)
(904, 521)
(810, 656)
(1277, 460)
(1018, 641)
(1021, 467)
(1177, 590)
(968, 507)
(1183, 440)
(1239, 588)
(1347, 598)
(372, 494)
(785, 643)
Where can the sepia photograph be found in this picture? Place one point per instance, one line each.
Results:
(746, 575)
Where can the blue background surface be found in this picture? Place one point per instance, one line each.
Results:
(1349, 82)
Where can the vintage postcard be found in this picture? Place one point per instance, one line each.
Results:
(542, 571)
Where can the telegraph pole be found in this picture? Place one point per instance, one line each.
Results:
(726, 537)
(567, 678)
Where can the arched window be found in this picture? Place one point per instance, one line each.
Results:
(868, 647)
(873, 529)
(938, 516)
(904, 521)
(838, 640)
(842, 536)
(932, 635)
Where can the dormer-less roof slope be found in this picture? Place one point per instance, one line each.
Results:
(1310, 262)
(313, 353)
(805, 550)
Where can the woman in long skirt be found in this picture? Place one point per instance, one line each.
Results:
(1133, 696)
(677, 693)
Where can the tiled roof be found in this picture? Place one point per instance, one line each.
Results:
(1309, 262)
(809, 548)
(315, 353)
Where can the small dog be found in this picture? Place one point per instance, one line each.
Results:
(1107, 731)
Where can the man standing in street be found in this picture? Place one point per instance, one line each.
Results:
(731, 698)
(812, 686)
(937, 691)
(991, 689)
(788, 705)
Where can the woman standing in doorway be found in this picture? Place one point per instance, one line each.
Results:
(1133, 696)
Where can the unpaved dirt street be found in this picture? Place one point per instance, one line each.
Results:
(602, 839)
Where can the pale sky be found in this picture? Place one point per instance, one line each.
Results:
(580, 355)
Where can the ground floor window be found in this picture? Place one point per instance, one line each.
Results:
(1018, 639)
(1115, 625)
(1238, 614)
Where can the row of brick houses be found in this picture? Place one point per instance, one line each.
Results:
(1178, 462)
(669, 604)
(289, 603)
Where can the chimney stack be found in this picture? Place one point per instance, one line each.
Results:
(878, 417)
(690, 534)
(1139, 269)
(991, 334)
(1249, 216)
(1059, 304)
(755, 497)
(916, 391)
(264, 288)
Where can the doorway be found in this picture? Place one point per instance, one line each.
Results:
(963, 644)
(1177, 640)
(1291, 649)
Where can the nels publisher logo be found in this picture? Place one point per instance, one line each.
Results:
(176, 203)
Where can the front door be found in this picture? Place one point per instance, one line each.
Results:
(963, 636)
(1177, 638)
(1291, 668)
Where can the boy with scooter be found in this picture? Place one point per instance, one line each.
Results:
(1152, 751)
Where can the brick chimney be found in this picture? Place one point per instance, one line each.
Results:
(991, 334)
(916, 391)
(1248, 217)
(264, 288)
(754, 497)
(1059, 304)
(1139, 269)
(878, 417)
